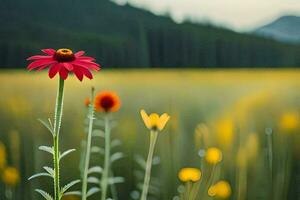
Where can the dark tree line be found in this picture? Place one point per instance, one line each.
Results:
(128, 37)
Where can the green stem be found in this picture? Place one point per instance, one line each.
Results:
(270, 160)
(242, 183)
(8, 192)
(104, 181)
(153, 139)
(113, 189)
(188, 190)
(57, 123)
(210, 179)
(88, 147)
(195, 190)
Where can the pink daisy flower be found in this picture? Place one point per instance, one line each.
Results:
(63, 61)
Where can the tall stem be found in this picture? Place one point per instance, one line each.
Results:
(8, 192)
(153, 139)
(57, 123)
(269, 133)
(88, 147)
(104, 181)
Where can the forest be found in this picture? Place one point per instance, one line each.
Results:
(126, 37)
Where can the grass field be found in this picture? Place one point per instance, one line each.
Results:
(251, 115)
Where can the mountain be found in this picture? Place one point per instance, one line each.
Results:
(124, 36)
(286, 29)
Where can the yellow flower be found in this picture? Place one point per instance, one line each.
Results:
(2, 156)
(212, 191)
(189, 174)
(225, 131)
(289, 121)
(11, 176)
(154, 121)
(213, 155)
(220, 190)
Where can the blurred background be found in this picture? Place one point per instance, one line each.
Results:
(167, 33)
(226, 72)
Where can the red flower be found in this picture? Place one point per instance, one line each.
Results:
(64, 61)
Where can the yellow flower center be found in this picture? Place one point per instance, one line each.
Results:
(154, 121)
(189, 174)
(213, 155)
(64, 55)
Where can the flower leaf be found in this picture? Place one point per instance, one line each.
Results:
(66, 153)
(92, 191)
(78, 193)
(116, 156)
(46, 149)
(115, 143)
(98, 133)
(97, 150)
(39, 175)
(49, 170)
(48, 125)
(46, 195)
(156, 160)
(115, 180)
(69, 185)
(95, 169)
(93, 180)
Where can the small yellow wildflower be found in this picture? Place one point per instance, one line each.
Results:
(289, 121)
(223, 189)
(189, 174)
(213, 155)
(212, 191)
(225, 132)
(154, 121)
(220, 190)
(11, 176)
(2, 156)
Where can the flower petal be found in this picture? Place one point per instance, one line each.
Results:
(68, 66)
(146, 119)
(42, 67)
(50, 52)
(87, 73)
(79, 53)
(38, 57)
(154, 120)
(87, 64)
(38, 63)
(63, 72)
(78, 72)
(53, 70)
(163, 121)
(87, 58)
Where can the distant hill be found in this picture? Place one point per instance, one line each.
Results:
(286, 29)
(124, 36)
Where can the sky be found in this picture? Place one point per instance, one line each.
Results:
(240, 15)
